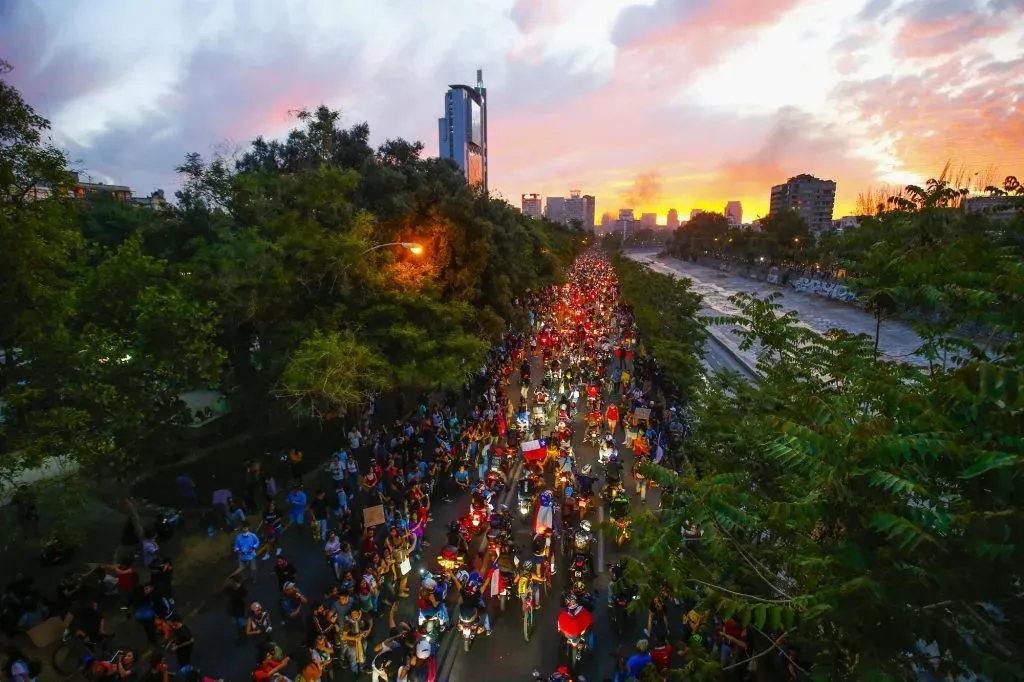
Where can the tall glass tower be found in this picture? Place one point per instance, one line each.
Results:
(462, 131)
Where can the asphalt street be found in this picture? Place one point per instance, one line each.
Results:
(219, 654)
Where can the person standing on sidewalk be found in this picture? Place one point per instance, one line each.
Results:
(246, 544)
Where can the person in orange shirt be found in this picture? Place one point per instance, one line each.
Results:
(612, 417)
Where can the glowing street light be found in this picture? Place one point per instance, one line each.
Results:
(412, 247)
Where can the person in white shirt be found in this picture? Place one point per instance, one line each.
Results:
(355, 439)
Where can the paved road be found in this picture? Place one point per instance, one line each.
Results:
(219, 655)
(719, 357)
(898, 340)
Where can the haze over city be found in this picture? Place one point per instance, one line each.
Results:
(651, 105)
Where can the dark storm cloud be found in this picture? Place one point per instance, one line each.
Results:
(47, 76)
(637, 22)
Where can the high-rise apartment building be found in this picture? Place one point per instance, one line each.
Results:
(696, 212)
(533, 205)
(649, 220)
(555, 209)
(734, 213)
(462, 131)
(672, 221)
(808, 196)
(579, 206)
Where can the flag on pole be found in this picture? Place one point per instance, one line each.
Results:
(659, 451)
(534, 450)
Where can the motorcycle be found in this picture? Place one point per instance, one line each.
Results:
(577, 648)
(592, 437)
(469, 625)
(623, 525)
(579, 569)
(495, 481)
(473, 523)
(619, 599)
(450, 560)
(561, 675)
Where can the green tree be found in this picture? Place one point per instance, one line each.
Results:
(865, 507)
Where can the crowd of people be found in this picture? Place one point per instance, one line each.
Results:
(584, 339)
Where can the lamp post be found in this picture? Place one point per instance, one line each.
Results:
(413, 247)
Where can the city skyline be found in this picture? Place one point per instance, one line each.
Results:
(864, 93)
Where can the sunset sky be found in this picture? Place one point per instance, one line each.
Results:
(649, 104)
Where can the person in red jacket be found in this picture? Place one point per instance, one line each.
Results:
(612, 416)
(574, 620)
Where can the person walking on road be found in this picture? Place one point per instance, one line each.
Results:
(246, 544)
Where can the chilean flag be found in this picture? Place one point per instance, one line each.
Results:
(544, 519)
(535, 450)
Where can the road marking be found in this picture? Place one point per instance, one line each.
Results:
(600, 539)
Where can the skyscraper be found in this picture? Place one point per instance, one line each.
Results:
(580, 207)
(734, 212)
(808, 196)
(462, 131)
(672, 221)
(532, 205)
(554, 210)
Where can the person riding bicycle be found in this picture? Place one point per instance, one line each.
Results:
(530, 576)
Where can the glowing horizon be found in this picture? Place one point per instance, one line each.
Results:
(650, 104)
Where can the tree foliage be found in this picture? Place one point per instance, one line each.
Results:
(868, 507)
(263, 282)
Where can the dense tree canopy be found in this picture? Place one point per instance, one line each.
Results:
(865, 511)
(264, 281)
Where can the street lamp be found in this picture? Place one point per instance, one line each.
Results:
(412, 247)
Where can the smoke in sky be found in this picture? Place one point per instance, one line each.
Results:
(646, 191)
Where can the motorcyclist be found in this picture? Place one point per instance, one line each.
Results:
(472, 606)
(456, 539)
(606, 449)
(574, 620)
(542, 555)
(431, 603)
(582, 542)
(570, 509)
(585, 480)
(613, 470)
(619, 586)
(480, 499)
(618, 506)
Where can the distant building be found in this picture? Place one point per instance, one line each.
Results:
(154, 201)
(589, 210)
(672, 221)
(809, 197)
(625, 224)
(462, 131)
(83, 190)
(649, 220)
(533, 205)
(696, 212)
(998, 207)
(555, 209)
(845, 223)
(734, 213)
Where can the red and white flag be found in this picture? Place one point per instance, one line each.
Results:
(534, 450)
